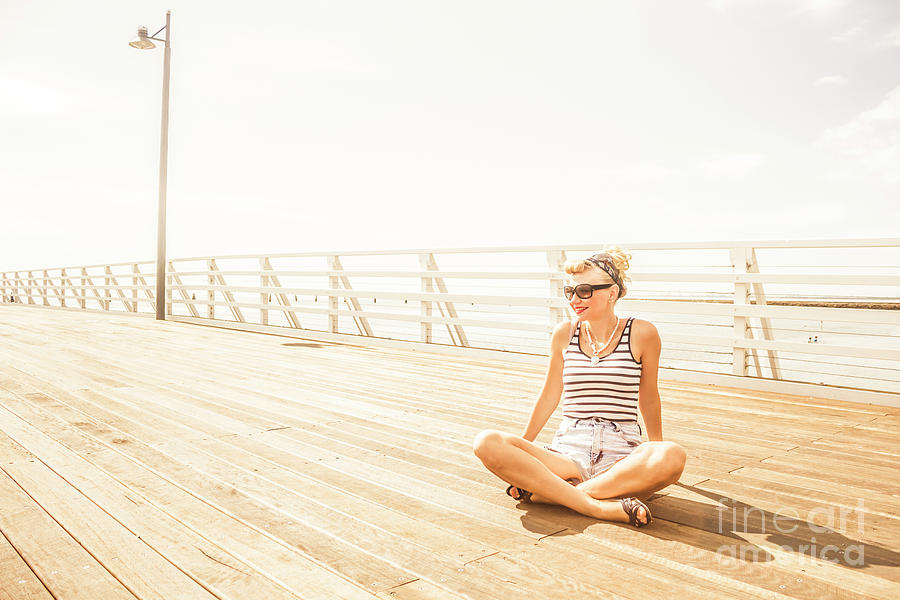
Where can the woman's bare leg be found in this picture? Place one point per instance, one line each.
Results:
(516, 460)
(651, 467)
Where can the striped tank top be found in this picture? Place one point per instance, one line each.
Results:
(609, 389)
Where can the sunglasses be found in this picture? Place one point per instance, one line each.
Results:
(584, 290)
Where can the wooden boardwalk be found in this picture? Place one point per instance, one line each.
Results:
(175, 461)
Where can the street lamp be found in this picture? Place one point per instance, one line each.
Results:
(143, 43)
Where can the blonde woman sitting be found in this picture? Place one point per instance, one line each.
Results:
(604, 368)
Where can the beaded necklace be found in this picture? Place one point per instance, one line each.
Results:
(595, 359)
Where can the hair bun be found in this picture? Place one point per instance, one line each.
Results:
(621, 259)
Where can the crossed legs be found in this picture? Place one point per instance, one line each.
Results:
(649, 468)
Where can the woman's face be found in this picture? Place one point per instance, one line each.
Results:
(598, 305)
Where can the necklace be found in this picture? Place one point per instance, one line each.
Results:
(595, 359)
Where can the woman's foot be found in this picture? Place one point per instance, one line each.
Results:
(626, 510)
(518, 494)
(638, 513)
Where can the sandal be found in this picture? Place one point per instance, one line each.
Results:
(522, 495)
(630, 506)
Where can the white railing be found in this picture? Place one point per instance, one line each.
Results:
(822, 312)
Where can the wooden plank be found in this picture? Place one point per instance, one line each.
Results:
(804, 484)
(248, 547)
(312, 454)
(419, 589)
(705, 556)
(752, 397)
(65, 568)
(436, 568)
(859, 521)
(723, 399)
(17, 580)
(217, 448)
(753, 526)
(343, 557)
(208, 437)
(851, 460)
(145, 573)
(587, 555)
(812, 468)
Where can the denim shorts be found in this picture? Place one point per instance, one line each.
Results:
(594, 443)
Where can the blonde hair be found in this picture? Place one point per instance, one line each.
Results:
(614, 258)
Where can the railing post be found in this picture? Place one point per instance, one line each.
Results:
(333, 283)
(83, 288)
(46, 287)
(764, 322)
(169, 283)
(134, 287)
(456, 331)
(426, 306)
(556, 260)
(107, 281)
(211, 297)
(62, 286)
(229, 297)
(289, 314)
(60, 290)
(264, 295)
(740, 258)
(30, 280)
(175, 281)
(111, 278)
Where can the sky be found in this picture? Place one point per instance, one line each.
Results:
(338, 125)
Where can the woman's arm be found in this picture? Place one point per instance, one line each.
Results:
(647, 340)
(552, 390)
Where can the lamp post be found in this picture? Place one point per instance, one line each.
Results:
(143, 43)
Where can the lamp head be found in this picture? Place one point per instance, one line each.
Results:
(142, 43)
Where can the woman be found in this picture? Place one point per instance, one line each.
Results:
(605, 369)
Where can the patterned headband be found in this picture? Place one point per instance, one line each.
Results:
(605, 262)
